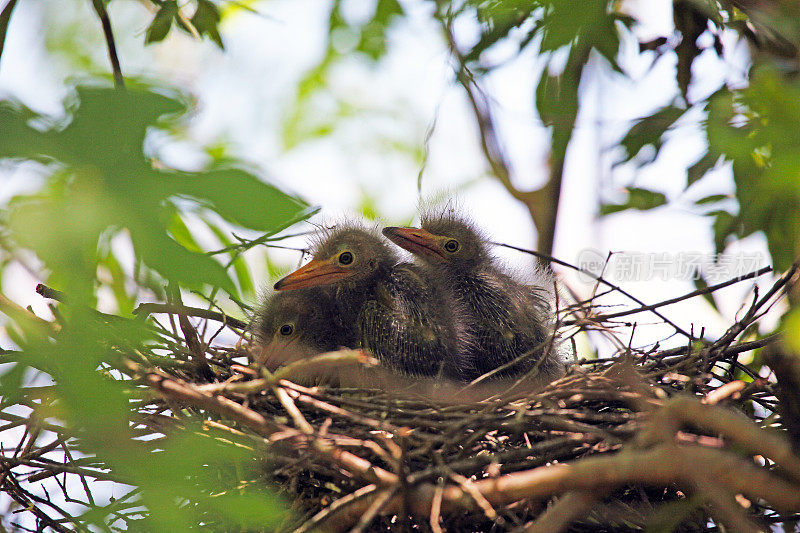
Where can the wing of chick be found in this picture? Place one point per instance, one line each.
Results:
(403, 326)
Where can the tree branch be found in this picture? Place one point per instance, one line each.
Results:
(542, 203)
(661, 465)
(5, 18)
(105, 21)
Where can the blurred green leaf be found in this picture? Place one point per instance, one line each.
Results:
(119, 281)
(162, 22)
(756, 129)
(368, 207)
(206, 20)
(242, 272)
(253, 508)
(310, 115)
(373, 34)
(691, 21)
(235, 194)
(650, 131)
(791, 329)
(109, 183)
(712, 199)
(701, 284)
(101, 182)
(641, 199)
(11, 383)
(497, 19)
(724, 226)
(274, 271)
(547, 102)
(699, 169)
(180, 232)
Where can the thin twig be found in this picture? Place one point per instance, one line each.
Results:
(604, 282)
(698, 292)
(105, 21)
(183, 310)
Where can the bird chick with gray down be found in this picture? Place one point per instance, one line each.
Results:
(391, 308)
(290, 326)
(509, 323)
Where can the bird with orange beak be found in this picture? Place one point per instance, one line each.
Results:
(509, 323)
(392, 309)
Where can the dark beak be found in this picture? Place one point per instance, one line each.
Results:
(416, 240)
(313, 274)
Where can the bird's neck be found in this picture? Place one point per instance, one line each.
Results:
(461, 271)
(350, 296)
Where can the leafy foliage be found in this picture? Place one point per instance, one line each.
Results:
(756, 130)
(102, 182)
(752, 127)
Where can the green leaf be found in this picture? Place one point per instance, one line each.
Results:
(238, 263)
(650, 131)
(724, 226)
(251, 509)
(594, 24)
(701, 284)
(547, 99)
(368, 207)
(756, 128)
(641, 199)
(699, 169)
(175, 262)
(162, 22)
(373, 34)
(236, 195)
(107, 183)
(125, 303)
(11, 383)
(497, 20)
(180, 232)
(712, 199)
(691, 22)
(206, 20)
(791, 330)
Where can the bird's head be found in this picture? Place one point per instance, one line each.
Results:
(345, 254)
(443, 238)
(294, 325)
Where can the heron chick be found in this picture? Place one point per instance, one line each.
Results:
(509, 323)
(290, 326)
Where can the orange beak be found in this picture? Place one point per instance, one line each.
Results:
(313, 274)
(417, 241)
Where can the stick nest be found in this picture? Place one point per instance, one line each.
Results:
(685, 439)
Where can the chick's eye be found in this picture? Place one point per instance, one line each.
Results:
(345, 258)
(451, 245)
(287, 329)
